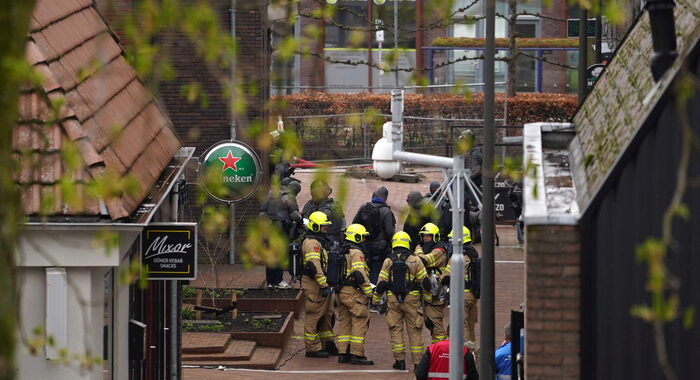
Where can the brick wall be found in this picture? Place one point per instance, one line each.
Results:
(202, 127)
(554, 78)
(312, 71)
(552, 300)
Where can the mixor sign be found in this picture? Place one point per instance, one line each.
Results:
(169, 251)
(230, 171)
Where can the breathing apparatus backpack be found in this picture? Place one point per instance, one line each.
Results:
(335, 271)
(473, 271)
(399, 272)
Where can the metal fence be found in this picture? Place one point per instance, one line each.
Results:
(351, 136)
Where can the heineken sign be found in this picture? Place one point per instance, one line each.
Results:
(230, 171)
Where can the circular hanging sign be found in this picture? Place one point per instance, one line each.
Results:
(230, 171)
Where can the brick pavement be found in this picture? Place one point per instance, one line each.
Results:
(509, 295)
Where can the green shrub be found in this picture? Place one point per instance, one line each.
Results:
(188, 292)
(188, 314)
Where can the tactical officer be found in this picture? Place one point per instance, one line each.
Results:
(353, 299)
(420, 212)
(472, 285)
(282, 209)
(433, 254)
(403, 277)
(320, 201)
(376, 216)
(317, 294)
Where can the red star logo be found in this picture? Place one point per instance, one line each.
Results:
(229, 161)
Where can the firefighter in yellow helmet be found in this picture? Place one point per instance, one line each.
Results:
(353, 298)
(318, 295)
(433, 254)
(403, 278)
(472, 283)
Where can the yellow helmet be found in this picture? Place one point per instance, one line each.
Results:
(316, 220)
(432, 230)
(401, 239)
(356, 233)
(466, 235)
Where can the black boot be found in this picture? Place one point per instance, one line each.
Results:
(361, 360)
(400, 364)
(344, 358)
(331, 349)
(317, 354)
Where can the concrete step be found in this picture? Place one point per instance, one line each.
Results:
(204, 342)
(237, 350)
(262, 358)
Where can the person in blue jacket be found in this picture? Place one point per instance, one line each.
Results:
(503, 356)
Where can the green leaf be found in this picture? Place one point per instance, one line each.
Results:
(689, 318)
(682, 211)
(642, 312)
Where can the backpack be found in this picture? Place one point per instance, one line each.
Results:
(368, 216)
(295, 268)
(399, 271)
(473, 271)
(335, 269)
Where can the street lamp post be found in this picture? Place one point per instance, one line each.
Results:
(396, 42)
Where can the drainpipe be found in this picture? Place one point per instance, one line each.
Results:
(663, 35)
(582, 53)
(174, 287)
(232, 125)
(487, 307)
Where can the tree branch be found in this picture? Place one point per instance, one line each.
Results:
(545, 60)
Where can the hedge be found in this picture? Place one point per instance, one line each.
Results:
(522, 108)
(467, 42)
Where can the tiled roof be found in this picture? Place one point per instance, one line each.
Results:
(622, 99)
(115, 123)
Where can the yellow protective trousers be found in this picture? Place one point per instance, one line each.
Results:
(410, 313)
(353, 321)
(471, 315)
(319, 315)
(434, 320)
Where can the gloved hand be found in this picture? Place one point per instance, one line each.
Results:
(425, 262)
(445, 281)
(325, 292)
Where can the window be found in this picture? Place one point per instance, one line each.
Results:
(354, 14)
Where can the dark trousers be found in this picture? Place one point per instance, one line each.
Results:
(375, 266)
(273, 275)
(376, 254)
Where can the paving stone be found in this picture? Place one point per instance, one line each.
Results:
(262, 358)
(201, 342)
(236, 350)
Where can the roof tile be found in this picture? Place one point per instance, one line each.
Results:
(99, 137)
(33, 54)
(90, 156)
(112, 162)
(47, 78)
(49, 11)
(49, 168)
(131, 142)
(81, 62)
(31, 199)
(101, 87)
(84, 60)
(118, 112)
(73, 129)
(73, 31)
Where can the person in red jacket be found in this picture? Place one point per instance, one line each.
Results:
(435, 363)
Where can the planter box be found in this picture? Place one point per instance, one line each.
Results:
(203, 299)
(270, 339)
(272, 304)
